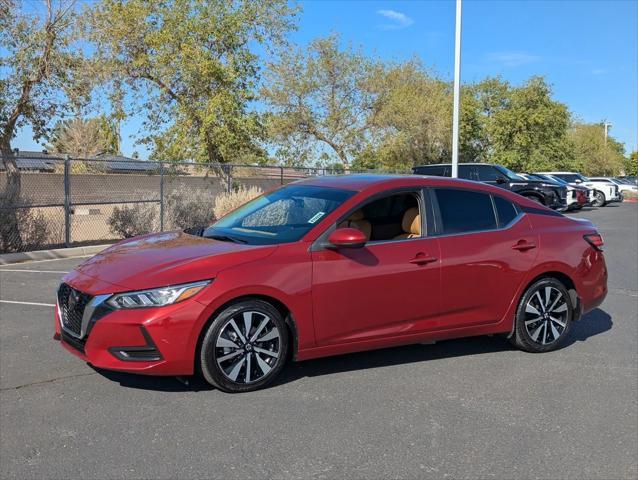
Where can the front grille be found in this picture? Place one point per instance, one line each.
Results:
(72, 303)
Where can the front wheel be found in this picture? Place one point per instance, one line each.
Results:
(535, 199)
(543, 317)
(599, 199)
(245, 347)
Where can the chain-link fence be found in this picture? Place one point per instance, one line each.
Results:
(67, 202)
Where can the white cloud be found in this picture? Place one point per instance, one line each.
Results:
(399, 20)
(513, 59)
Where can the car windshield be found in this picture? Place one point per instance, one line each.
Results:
(509, 174)
(554, 179)
(284, 215)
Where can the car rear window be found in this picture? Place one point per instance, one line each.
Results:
(505, 210)
(465, 210)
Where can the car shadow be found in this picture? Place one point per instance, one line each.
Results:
(592, 324)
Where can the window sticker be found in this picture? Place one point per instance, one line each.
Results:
(316, 217)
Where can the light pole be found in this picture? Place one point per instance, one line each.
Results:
(606, 125)
(457, 92)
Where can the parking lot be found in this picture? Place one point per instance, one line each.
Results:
(463, 408)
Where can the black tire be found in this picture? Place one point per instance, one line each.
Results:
(599, 199)
(250, 363)
(553, 317)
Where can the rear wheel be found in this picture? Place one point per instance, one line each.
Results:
(599, 199)
(245, 347)
(543, 317)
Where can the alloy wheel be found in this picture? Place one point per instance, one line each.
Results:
(546, 315)
(599, 199)
(248, 347)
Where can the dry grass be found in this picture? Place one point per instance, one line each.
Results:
(227, 202)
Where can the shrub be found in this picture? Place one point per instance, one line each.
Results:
(186, 209)
(227, 202)
(630, 195)
(32, 232)
(130, 221)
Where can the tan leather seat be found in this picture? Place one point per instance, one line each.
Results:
(411, 224)
(357, 220)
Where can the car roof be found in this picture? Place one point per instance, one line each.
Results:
(461, 163)
(360, 182)
(561, 173)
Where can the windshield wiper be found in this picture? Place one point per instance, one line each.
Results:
(225, 238)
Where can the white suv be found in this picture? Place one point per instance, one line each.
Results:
(604, 192)
(623, 187)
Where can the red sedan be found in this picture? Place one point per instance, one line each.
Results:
(332, 265)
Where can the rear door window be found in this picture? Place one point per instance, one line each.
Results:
(464, 211)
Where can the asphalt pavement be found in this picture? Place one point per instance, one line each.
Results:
(469, 408)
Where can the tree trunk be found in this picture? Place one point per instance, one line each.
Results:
(10, 238)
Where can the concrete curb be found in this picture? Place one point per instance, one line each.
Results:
(38, 255)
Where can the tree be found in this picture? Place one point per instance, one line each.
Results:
(530, 131)
(631, 164)
(85, 138)
(592, 155)
(410, 120)
(320, 100)
(191, 66)
(40, 79)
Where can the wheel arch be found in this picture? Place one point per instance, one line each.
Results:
(535, 194)
(565, 280)
(281, 307)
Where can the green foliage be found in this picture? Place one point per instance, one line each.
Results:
(43, 71)
(410, 118)
(191, 66)
(592, 155)
(84, 138)
(320, 101)
(631, 164)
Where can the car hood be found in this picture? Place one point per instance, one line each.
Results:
(161, 259)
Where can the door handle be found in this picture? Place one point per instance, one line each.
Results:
(523, 245)
(423, 259)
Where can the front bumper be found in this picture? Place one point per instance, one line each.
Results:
(154, 341)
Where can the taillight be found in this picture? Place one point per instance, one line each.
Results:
(595, 240)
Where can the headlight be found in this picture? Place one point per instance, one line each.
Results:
(156, 297)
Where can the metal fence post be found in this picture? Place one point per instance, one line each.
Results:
(229, 175)
(282, 175)
(161, 196)
(67, 201)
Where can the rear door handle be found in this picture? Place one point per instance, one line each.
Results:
(523, 245)
(423, 259)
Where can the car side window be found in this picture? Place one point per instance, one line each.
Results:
(393, 217)
(505, 210)
(487, 173)
(468, 172)
(463, 211)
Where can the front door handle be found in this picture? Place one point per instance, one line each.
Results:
(523, 245)
(423, 259)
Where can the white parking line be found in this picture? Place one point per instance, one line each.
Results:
(31, 271)
(48, 260)
(28, 303)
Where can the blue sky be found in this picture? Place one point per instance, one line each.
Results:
(588, 50)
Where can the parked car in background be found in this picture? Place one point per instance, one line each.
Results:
(591, 193)
(577, 197)
(622, 186)
(604, 192)
(546, 193)
(631, 179)
(333, 265)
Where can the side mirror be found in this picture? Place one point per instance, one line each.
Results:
(501, 180)
(347, 238)
(578, 180)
